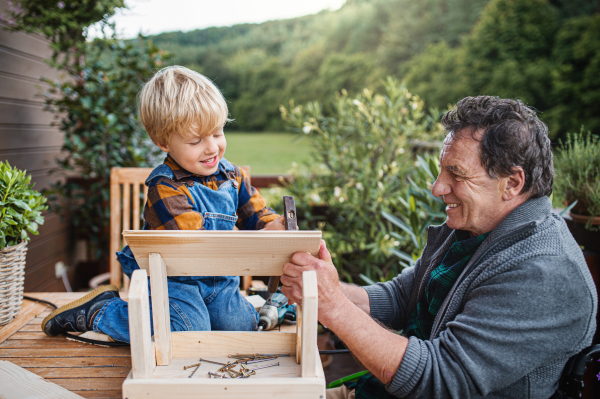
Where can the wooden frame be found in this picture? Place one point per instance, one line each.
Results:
(159, 373)
(125, 185)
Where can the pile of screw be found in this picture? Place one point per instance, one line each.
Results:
(243, 361)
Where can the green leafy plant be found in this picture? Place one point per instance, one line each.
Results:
(418, 210)
(363, 150)
(21, 206)
(65, 23)
(97, 111)
(577, 169)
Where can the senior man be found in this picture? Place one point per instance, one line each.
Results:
(501, 296)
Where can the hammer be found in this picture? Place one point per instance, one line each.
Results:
(291, 223)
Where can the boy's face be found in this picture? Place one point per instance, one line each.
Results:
(198, 155)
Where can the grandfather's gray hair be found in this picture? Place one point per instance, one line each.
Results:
(514, 136)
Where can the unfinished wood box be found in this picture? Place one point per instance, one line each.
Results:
(157, 361)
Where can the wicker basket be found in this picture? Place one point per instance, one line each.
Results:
(12, 277)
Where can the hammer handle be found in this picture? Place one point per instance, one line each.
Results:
(291, 223)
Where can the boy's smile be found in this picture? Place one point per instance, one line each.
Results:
(198, 155)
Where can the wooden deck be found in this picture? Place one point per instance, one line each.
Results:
(88, 370)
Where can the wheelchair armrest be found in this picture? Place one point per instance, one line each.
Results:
(572, 378)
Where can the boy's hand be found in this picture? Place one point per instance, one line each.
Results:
(277, 224)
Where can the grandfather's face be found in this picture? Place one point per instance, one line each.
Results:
(474, 199)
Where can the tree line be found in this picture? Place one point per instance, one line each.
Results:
(545, 52)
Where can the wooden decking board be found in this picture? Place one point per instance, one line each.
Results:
(52, 344)
(72, 352)
(34, 333)
(18, 383)
(68, 362)
(28, 310)
(87, 370)
(89, 384)
(81, 372)
(100, 394)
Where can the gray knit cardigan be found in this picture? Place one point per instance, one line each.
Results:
(523, 305)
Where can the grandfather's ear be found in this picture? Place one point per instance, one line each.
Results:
(514, 183)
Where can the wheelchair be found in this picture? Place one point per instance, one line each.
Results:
(571, 382)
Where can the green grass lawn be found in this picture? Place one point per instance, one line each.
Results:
(266, 153)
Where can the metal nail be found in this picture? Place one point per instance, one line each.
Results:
(260, 360)
(194, 371)
(277, 355)
(212, 361)
(233, 373)
(215, 375)
(265, 366)
(193, 365)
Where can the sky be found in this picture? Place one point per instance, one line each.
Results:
(156, 16)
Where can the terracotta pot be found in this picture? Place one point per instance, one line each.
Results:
(586, 238)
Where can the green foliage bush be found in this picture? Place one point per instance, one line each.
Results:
(545, 52)
(97, 111)
(21, 206)
(418, 210)
(577, 173)
(65, 23)
(363, 153)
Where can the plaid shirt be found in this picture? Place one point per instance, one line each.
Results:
(171, 205)
(420, 322)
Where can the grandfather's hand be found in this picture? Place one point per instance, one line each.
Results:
(327, 278)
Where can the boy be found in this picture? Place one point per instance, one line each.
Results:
(194, 189)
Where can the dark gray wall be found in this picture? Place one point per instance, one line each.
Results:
(28, 142)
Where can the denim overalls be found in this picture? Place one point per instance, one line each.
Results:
(195, 303)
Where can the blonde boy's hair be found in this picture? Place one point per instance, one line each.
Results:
(179, 100)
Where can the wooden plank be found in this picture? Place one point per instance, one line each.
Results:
(32, 159)
(21, 113)
(44, 274)
(265, 181)
(298, 333)
(88, 384)
(35, 334)
(136, 206)
(33, 45)
(115, 228)
(20, 383)
(18, 63)
(287, 368)
(24, 89)
(100, 394)
(47, 246)
(219, 343)
(160, 310)
(139, 326)
(19, 137)
(188, 388)
(191, 253)
(49, 344)
(310, 352)
(81, 372)
(73, 352)
(130, 174)
(68, 362)
(28, 310)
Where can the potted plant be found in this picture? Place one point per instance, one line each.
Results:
(577, 170)
(20, 213)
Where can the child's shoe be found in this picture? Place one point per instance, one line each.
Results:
(78, 316)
